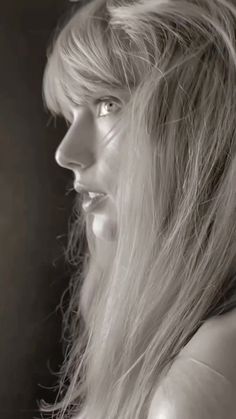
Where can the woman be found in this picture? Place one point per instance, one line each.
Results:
(148, 90)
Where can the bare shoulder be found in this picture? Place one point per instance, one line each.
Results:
(201, 383)
(215, 345)
(191, 391)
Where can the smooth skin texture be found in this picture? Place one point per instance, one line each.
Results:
(90, 149)
(201, 383)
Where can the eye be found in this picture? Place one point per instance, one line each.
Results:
(110, 105)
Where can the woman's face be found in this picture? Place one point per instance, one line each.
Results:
(90, 149)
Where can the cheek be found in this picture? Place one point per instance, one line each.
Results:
(112, 163)
(108, 163)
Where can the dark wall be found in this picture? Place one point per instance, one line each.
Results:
(34, 211)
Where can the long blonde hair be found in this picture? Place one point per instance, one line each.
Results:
(175, 255)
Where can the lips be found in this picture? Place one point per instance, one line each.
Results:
(95, 194)
(86, 189)
(90, 203)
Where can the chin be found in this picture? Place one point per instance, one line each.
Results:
(104, 228)
(102, 238)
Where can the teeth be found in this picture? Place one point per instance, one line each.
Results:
(93, 194)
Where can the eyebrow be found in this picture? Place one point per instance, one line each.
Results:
(67, 111)
(119, 92)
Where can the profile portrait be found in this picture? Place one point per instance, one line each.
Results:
(147, 89)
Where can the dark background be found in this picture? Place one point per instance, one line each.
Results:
(34, 211)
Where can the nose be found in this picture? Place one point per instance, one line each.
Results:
(77, 148)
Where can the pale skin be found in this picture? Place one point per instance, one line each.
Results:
(90, 149)
(202, 382)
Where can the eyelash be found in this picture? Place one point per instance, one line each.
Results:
(105, 100)
(96, 103)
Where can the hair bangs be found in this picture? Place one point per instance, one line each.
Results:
(86, 59)
(174, 257)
